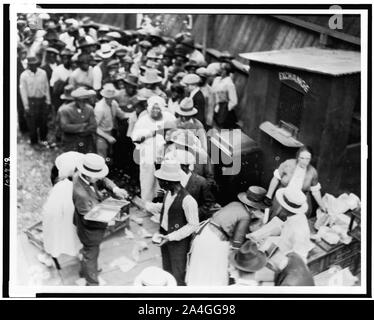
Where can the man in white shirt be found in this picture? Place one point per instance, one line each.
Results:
(179, 219)
(106, 112)
(34, 90)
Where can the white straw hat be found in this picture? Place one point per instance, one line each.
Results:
(93, 165)
(170, 171)
(292, 200)
(154, 276)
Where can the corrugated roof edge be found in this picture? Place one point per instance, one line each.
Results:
(255, 56)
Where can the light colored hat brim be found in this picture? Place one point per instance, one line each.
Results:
(145, 80)
(279, 196)
(103, 94)
(170, 281)
(63, 97)
(105, 55)
(168, 177)
(186, 113)
(242, 196)
(101, 174)
(259, 266)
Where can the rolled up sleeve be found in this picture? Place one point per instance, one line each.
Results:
(192, 216)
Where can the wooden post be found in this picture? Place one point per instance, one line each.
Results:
(205, 33)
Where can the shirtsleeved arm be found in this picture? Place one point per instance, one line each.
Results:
(23, 90)
(191, 211)
(233, 97)
(97, 78)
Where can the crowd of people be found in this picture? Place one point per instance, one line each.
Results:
(144, 102)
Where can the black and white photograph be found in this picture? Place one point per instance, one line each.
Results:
(188, 150)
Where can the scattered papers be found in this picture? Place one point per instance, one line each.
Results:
(156, 218)
(129, 234)
(144, 233)
(137, 220)
(123, 263)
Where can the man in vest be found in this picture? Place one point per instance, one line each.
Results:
(196, 185)
(179, 219)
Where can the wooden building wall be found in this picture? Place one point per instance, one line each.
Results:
(325, 123)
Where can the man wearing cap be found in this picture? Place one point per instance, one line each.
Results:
(187, 121)
(77, 122)
(196, 185)
(34, 89)
(179, 219)
(192, 87)
(83, 75)
(106, 112)
(101, 71)
(148, 134)
(90, 177)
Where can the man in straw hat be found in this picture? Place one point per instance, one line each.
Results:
(36, 99)
(226, 228)
(100, 71)
(106, 112)
(192, 87)
(92, 171)
(187, 120)
(148, 133)
(196, 185)
(179, 219)
(293, 235)
(152, 81)
(154, 276)
(77, 122)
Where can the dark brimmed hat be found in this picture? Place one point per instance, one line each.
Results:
(191, 64)
(188, 42)
(52, 50)
(67, 93)
(253, 197)
(66, 52)
(86, 41)
(145, 44)
(32, 60)
(248, 258)
(132, 80)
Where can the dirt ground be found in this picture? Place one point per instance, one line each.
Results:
(33, 180)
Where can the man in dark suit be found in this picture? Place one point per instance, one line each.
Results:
(86, 184)
(192, 86)
(196, 185)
